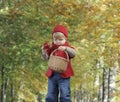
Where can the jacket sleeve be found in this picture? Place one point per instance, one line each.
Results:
(46, 53)
(71, 51)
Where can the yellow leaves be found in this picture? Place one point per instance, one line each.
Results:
(27, 95)
(86, 21)
(103, 8)
(56, 1)
(115, 40)
(64, 8)
(34, 79)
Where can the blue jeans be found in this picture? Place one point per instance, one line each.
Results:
(58, 86)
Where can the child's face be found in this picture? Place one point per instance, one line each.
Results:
(59, 38)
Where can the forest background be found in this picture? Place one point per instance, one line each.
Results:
(94, 30)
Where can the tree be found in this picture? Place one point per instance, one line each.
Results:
(25, 25)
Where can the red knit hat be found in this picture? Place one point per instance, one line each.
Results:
(62, 29)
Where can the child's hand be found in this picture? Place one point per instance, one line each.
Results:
(44, 51)
(62, 48)
(45, 47)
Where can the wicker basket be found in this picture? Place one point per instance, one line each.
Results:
(57, 63)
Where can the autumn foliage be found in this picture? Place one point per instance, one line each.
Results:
(94, 30)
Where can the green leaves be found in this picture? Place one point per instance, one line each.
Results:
(26, 24)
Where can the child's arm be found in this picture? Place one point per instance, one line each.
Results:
(71, 51)
(44, 54)
(45, 51)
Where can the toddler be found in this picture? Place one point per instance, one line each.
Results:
(59, 83)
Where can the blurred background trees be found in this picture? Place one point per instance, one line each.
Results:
(94, 30)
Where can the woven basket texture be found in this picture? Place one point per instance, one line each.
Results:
(57, 63)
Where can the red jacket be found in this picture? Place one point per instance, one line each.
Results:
(69, 71)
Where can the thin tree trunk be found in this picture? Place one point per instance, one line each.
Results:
(21, 88)
(4, 89)
(12, 92)
(105, 85)
(111, 82)
(3, 85)
(108, 85)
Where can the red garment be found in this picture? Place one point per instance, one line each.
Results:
(62, 29)
(69, 71)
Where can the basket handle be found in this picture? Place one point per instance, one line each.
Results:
(62, 57)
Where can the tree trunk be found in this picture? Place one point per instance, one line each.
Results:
(12, 92)
(21, 88)
(111, 82)
(105, 85)
(3, 95)
(4, 84)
